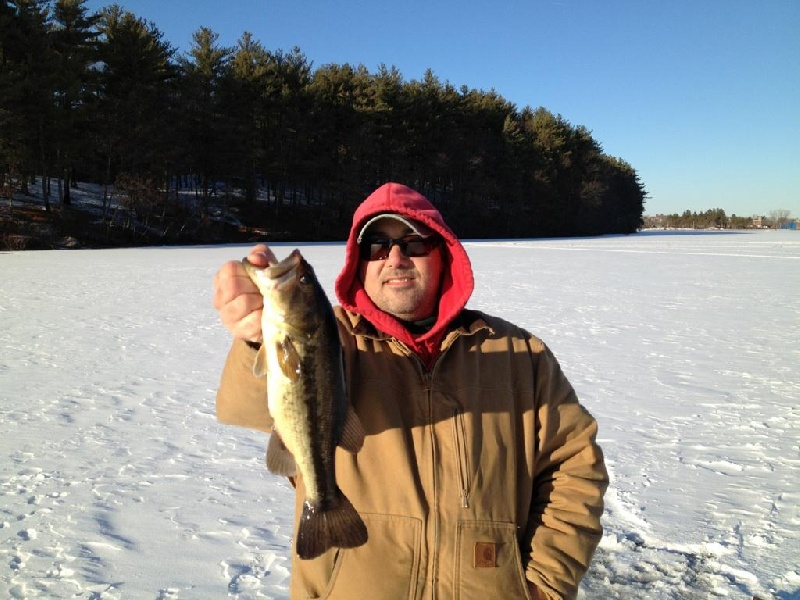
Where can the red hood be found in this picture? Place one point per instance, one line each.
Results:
(457, 281)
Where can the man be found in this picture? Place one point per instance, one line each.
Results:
(480, 476)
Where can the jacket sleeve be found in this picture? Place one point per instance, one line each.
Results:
(569, 480)
(241, 396)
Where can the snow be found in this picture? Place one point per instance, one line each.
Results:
(116, 481)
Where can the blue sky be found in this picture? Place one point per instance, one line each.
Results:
(701, 97)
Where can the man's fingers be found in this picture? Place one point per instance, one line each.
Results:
(249, 328)
(242, 316)
(231, 281)
(240, 306)
(232, 288)
(237, 299)
(232, 268)
(262, 256)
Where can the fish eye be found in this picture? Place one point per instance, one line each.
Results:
(305, 279)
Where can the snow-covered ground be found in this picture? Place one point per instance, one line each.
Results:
(117, 482)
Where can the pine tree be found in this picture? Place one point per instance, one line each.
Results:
(204, 73)
(26, 86)
(136, 94)
(73, 36)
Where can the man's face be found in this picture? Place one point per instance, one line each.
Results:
(407, 288)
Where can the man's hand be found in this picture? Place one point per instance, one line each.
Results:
(236, 297)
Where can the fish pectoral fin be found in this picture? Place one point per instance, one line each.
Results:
(352, 432)
(279, 460)
(288, 358)
(260, 364)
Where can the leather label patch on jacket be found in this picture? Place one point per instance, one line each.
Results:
(485, 555)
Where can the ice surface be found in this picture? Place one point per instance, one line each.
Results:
(117, 482)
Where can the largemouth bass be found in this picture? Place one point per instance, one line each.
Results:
(301, 358)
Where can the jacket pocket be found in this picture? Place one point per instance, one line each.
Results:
(386, 567)
(488, 563)
(460, 437)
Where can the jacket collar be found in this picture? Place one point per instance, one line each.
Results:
(468, 322)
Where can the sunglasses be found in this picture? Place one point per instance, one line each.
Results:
(413, 246)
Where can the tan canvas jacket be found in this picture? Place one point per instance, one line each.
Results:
(474, 476)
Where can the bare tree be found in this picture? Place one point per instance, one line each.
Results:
(778, 217)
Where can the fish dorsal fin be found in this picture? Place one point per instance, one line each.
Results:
(260, 364)
(288, 358)
(352, 432)
(279, 460)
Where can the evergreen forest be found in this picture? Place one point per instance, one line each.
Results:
(198, 144)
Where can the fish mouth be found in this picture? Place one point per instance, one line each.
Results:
(283, 272)
(277, 275)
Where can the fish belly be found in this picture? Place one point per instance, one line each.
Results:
(288, 403)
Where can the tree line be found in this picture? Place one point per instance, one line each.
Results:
(710, 219)
(283, 146)
(716, 218)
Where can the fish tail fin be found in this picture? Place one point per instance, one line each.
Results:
(345, 525)
(337, 525)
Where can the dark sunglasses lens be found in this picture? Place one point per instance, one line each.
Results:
(380, 250)
(413, 248)
(374, 249)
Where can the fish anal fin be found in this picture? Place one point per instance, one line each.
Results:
(333, 525)
(352, 432)
(288, 358)
(279, 460)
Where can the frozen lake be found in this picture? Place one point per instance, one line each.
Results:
(117, 482)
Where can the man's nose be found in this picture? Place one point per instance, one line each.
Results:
(396, 257)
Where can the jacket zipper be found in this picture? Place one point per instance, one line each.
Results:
(459, 432)
(427, 384)
(427, 379)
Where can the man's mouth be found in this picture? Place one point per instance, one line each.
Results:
(398, 280)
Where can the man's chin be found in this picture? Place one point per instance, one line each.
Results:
(403, 313)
